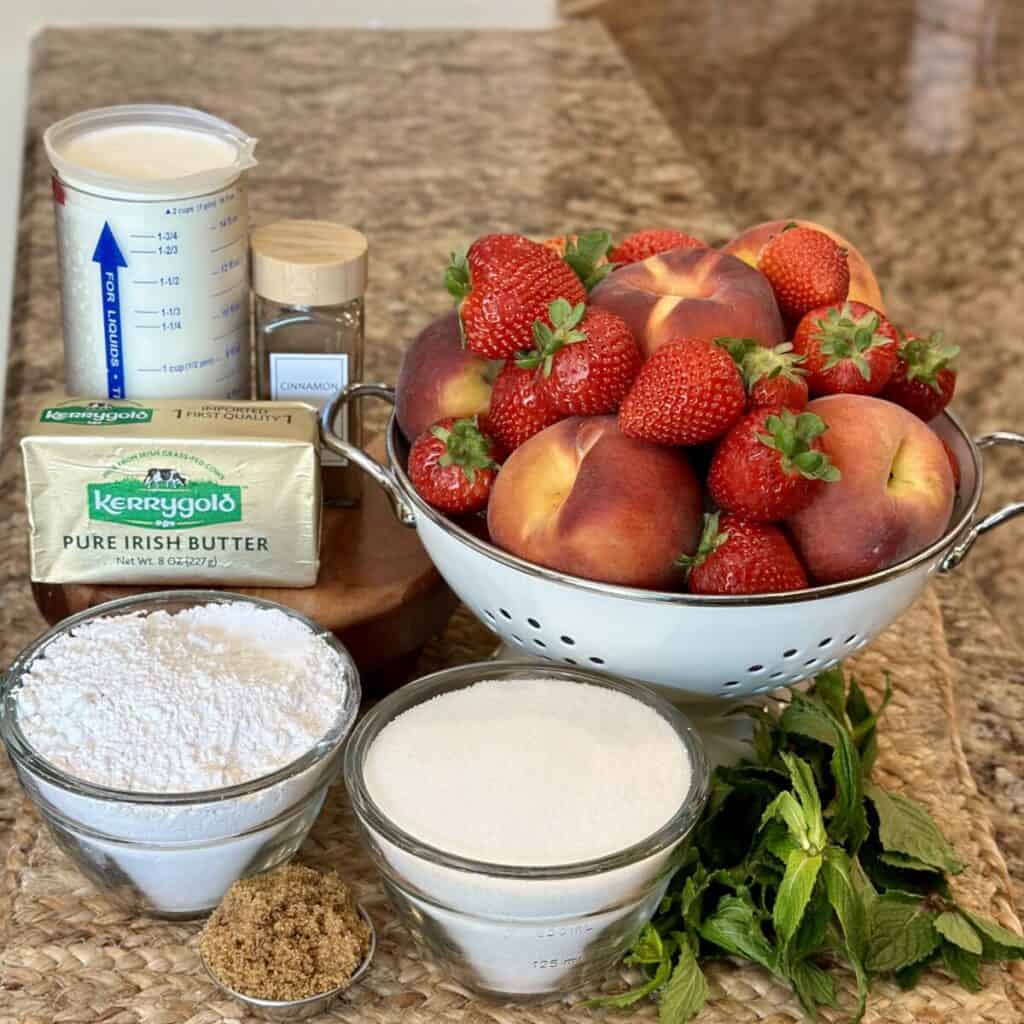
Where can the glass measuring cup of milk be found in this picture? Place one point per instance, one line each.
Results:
(152, 244)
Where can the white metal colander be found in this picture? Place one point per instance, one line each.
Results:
(701, 647)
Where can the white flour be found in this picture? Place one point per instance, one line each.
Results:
(176, 703)
(209, 697)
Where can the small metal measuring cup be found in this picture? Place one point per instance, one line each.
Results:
(298, 1009)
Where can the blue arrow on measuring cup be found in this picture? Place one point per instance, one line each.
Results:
(110, 258)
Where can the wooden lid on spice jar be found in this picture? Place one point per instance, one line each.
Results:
(308, 262)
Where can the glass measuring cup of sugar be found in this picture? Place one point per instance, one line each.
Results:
(509, 931)
(152, 245)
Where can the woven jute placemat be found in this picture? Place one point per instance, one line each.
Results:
(67, 955)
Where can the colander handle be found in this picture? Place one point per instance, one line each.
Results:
(994, 519)
(381, 475)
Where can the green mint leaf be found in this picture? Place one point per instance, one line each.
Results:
(902, 933)
(847, 817)
(813, 987)
(847, 902)
(806, 790)
(904, 826)
(955, 928)
(648, 948)
(997, 943)
(906, 863)
(686, 992)
(624, 1000)
(735, 927)
(795, 892)
(786, 807)
(805, 718)
(865, 721)
(810, 937)
(690, 902)
(779, 841)
(831, 688)
(850, 895)
(908, 977)
(964, 966)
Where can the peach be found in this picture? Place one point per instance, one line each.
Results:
(697, 293)
(583, 498)
(440, 378)
(863, 285)
(895, 496)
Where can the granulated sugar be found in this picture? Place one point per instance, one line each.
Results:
(211, 696)
(529, 771)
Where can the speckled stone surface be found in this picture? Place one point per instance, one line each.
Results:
(900, 124)
(424, 139)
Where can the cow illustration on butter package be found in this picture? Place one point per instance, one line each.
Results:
(174, 492)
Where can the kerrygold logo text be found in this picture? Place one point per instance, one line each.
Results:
(96, 415)
(165, 501)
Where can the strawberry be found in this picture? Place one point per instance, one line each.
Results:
(586, 360)
(586, 253)
(806, 269)
(772, 376)
(452, 466)
(770, 465)
(736, 556)
(923, 381)
(502, 284)
(688, 392)
(518, 409)
(649, 242)
(849, 348)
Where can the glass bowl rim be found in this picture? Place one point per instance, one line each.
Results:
(458, 677)
(26, 757)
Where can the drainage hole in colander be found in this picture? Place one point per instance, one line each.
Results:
(569, 661)
(596, 661)
(851, 638)
(517, 640)
(568, 641)
(489, 614)
(776, 675)
(810, 662)
(534, 623)
(765, 689)
(825, 642)
(506, 613)
(755, 668)
(791, 653)
(729, 685)
(539, 642)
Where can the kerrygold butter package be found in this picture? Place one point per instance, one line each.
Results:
(168, 491)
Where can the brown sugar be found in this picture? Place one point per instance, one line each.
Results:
(289, 934)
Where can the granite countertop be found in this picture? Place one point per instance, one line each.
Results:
(423, 140)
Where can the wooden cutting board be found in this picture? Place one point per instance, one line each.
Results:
(378, 592)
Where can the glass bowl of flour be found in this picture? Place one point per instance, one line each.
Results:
(524, 817)
(175, 742)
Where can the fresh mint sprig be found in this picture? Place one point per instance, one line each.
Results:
(801, 861)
